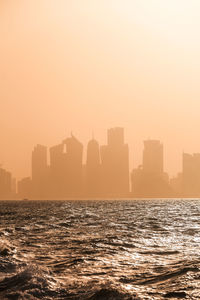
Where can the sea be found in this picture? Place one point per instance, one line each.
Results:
(100, 249)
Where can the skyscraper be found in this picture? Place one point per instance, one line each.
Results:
(115, 164)
(73, 166)
(150, 180)
(25, 188)
(115, 137)
(5, 183)
(66, 168)
(153, 156)
(39, 171)
(93, 184)
(57, 171)
(191, 175)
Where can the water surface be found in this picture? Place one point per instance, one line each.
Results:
(130, 249)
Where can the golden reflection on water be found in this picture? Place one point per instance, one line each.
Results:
(143, 247)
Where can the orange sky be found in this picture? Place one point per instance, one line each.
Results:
(90, 65)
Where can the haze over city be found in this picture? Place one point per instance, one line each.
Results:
(100, 149)
(85, 66)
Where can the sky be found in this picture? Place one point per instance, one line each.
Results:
(85, 66)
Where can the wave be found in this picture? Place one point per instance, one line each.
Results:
(161, 277)
(102, 251)
(160, 252)
(111, 294)
(31, 284)
(18, 280)
(21, 281)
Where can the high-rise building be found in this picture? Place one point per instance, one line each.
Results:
(66, 168)
(191, 175)
(115, 164)
(115, 137)
(73, 166)
(93, 181)
(149, 180)
(39, 171)
(153, 156)
(176, 185)
(5, 184)
(25, 188)
(57, 171)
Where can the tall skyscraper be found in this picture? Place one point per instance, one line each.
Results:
(5, 183)
(25, 188)
(57, 172)
(115, 164)
(66, 168)
(73, 162)
(153, 156)
(39, 171)
(150, 180)
(115, 137)
(191, 175)
(93, 184)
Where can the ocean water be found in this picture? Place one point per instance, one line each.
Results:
(130, 249)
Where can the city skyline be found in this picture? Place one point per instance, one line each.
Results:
(91, 65)
(62, 171)
(100, 149)
(133, 163)
(18, 163)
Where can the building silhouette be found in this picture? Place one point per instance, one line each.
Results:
(66, 168)
(57, 171)
(5, 184)
(150, 180)
(93, 170)
(73, 163)
(39, 171)
(115, 164)
(176, 184)
(24, 188)
(153, 157)
(104, 174)
(191, 175)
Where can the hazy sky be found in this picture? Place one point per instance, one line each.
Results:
(87, 65)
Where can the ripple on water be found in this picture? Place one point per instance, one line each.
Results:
(99, 249)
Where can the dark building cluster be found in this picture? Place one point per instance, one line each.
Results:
(61, 173)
